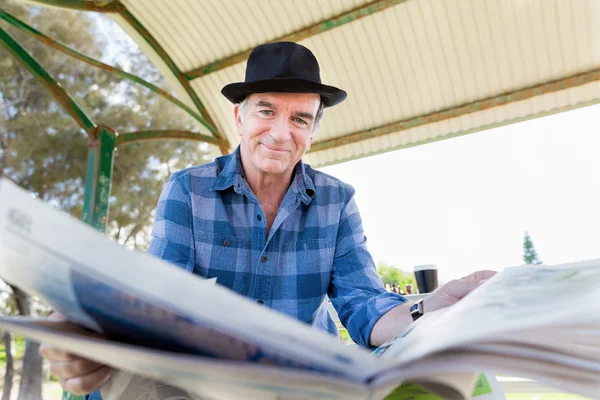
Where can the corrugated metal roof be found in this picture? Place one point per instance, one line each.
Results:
(415, 70)
(199, 32)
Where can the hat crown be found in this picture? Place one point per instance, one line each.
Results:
(282, 67)
(282, 60)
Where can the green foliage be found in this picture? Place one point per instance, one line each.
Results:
(18, 350)
(529, 254)
(43, 150)
(390, 274)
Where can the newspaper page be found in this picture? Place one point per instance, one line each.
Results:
(133, 297)
(154, 374)
(201, 377)
(517, 323)
(518, 299)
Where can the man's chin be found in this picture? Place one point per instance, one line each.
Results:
(274, 166)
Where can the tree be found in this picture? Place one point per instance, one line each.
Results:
(44, 151)
(529, 254)
(31, 374)
(10, 366)
(390, 275)
(15, 301)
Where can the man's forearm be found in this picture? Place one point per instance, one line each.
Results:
(391, 324)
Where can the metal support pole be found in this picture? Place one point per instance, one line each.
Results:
(99, 178)
(70, 396)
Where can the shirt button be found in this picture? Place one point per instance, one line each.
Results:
(226, 243)
(260, 302)
(258, 217)
(264, 259)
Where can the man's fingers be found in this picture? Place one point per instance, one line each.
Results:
(462, 287)
(73, 368)
(76, 374)
(479, 276)
(455, 290)
(52, 353)
(87, 383)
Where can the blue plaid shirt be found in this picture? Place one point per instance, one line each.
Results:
(209, 222)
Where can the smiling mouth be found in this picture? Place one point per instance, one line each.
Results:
(274, 148)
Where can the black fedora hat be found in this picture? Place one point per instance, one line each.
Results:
(282, 67)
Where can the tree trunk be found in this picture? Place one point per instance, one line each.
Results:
(22, 300)
(10, 368)
(31, 374)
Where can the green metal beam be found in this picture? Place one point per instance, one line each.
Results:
(99, 178)
(319, 27)
(139, 28)
(17, 23)
(139, 136)
(453, 112)
(57, 90)
(79, 5)
(97, 189)
(107, 6)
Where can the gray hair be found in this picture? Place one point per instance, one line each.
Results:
(316, 122)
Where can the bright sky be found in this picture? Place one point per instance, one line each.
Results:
(465, 203)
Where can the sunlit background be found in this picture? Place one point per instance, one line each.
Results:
(465, 204)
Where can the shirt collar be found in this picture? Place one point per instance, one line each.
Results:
(232, 174)
(304, 183)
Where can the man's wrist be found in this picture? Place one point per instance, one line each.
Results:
(417, 310)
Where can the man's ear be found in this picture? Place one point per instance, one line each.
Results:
(309, 144)
(238, 119)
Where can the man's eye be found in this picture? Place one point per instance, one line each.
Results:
(300, 121)
(266, 112)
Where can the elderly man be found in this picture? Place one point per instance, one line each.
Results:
(270, 227)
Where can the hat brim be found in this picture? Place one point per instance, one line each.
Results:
(237, 92)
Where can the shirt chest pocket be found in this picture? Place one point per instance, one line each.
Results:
(308, 264)
(314, 256)
(221, 256)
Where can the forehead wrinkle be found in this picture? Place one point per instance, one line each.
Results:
(262, 102)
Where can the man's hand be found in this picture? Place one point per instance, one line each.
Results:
(455, 290)
(397, 319)
(76, 375)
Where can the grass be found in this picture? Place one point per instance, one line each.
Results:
(345, 336)
(549, 396)
(50, 391)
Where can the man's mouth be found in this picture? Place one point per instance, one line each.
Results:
(272, 148)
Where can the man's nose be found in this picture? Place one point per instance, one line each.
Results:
(280, 130)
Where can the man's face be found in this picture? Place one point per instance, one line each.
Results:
(276, 130)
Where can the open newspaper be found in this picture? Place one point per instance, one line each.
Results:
(141, 315)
